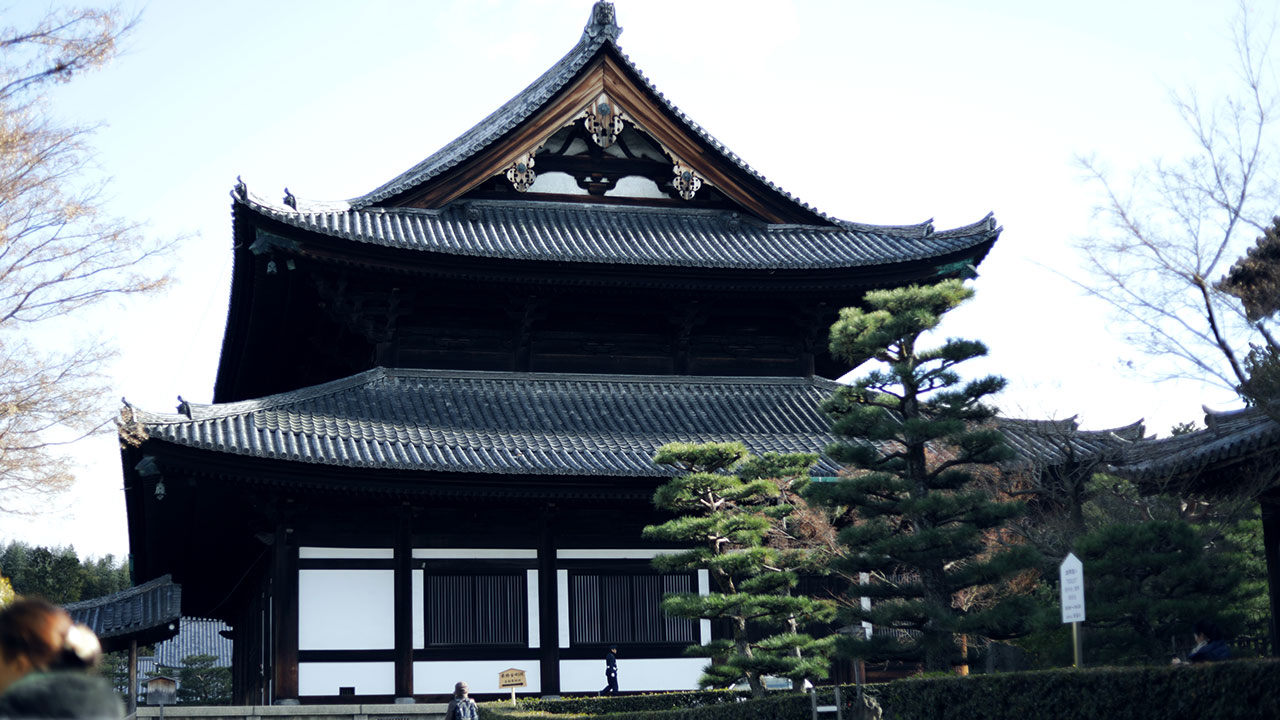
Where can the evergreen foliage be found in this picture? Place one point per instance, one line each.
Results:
(726, 520)
(1145, 584)
(914, 440)
(59, 575)
(202, 682)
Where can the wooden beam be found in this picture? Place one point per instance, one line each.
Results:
(1271, 542)
(548, 607)
(404, 608)
(284, 612)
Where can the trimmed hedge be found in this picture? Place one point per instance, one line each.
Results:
(1222, 691)
(1234, 690)
(706, 705)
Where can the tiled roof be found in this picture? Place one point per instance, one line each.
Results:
(196, 636)
(595, 36)
(555, 424)
(1229, 437)
(1054, 442)
(150, 606)
(571, 232)
(508, 423)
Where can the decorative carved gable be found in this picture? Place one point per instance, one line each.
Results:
(606, 138)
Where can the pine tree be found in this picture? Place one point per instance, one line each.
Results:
(727, 518)
(913, 441)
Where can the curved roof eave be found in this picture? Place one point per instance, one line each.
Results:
(631, 236)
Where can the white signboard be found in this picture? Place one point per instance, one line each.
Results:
(1071, 580)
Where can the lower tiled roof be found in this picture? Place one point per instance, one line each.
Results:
(139, 610)
(508, 423)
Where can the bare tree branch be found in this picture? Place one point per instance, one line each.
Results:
(60, 252)
(1169, 235)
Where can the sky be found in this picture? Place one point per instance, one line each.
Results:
(876, 112)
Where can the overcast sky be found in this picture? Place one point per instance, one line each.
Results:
(876, 112)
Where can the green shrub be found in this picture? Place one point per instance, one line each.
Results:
(705, 705)
(1234, 690)
(1222, 691)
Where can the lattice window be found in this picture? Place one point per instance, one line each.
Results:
(608, 608)
(472, 610)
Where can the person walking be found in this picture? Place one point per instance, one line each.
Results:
(611, 671)
(461, 707)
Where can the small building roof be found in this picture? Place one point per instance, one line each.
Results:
(148, 613)
(624, 235)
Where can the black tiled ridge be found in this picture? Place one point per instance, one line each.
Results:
(509, 423)
(569, 232)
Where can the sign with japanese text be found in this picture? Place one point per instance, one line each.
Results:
(1071, 580)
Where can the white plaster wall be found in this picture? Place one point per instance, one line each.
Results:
(346, 610)
(369, 678)
(534, 621)
(419, 622)
(633, 674)
(481, 676)
(333, 553)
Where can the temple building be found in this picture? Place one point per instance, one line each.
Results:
(429, 453)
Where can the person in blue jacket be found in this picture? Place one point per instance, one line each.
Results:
(1210, 644)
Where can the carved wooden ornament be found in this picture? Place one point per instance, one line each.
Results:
(603, 121)
(521, 174)
(686, 181)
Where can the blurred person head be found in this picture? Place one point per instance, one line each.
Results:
(460, 690)
(36, 636)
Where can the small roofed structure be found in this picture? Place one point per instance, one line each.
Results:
(141, 615)
(145, 614)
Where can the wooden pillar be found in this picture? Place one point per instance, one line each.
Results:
(284, 615)
(548, 607)
(131, 697)
(1271, 541)
(404, 608)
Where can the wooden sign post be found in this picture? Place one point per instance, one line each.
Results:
(511, 678)
(1071, 582)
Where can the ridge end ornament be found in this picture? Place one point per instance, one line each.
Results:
(686, 181)
(603, 21)
(603, 121)
(520, 174)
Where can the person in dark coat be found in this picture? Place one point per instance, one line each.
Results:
(1211, 644)
(43, 659)
(611, 671)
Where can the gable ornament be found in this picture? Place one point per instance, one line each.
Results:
(520, 174)
(603, 122)
(686, 181)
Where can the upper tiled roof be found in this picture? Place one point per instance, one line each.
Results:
(1230, 437)
(142, 610)
(510, 423)
(612, 234)
(598, 33)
